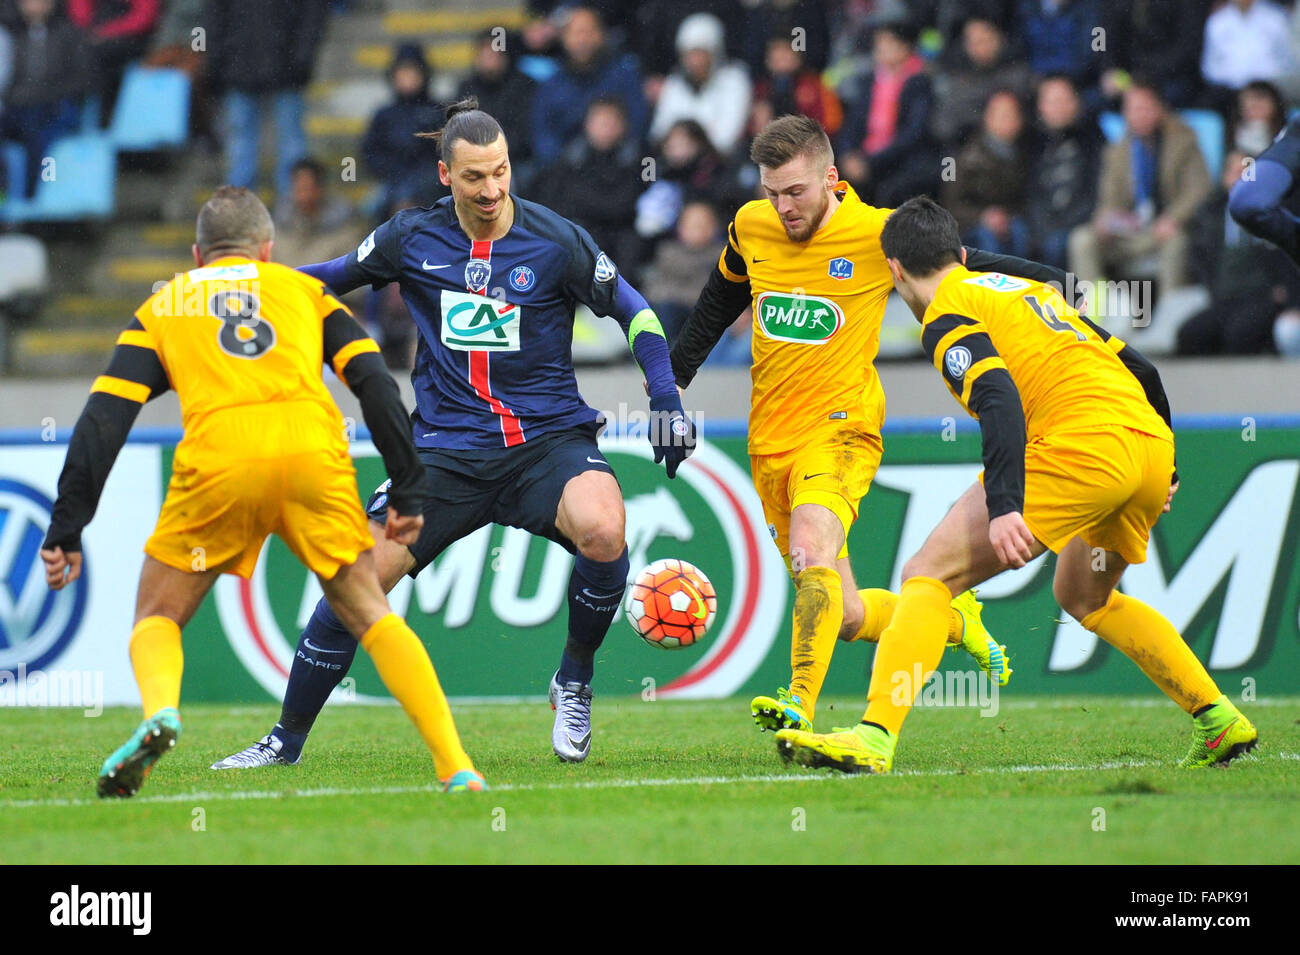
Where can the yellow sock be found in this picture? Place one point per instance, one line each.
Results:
(818, 613)
(408, 673)
(879, 606)
(158, 661)
(909, 651)
(1147, 638)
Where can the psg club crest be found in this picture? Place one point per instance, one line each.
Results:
(840, 269)
(477, 273)
(522, 278)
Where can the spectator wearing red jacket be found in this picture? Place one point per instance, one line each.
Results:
(118, 32)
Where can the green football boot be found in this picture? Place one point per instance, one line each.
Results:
(1219, 735)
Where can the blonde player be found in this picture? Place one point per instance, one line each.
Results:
(1078, 459)
(243, 340)
(807, 259)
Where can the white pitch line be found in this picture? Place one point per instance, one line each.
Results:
(268, 794)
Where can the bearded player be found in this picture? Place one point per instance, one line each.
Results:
(807, 259)
(492, 282)
(1078, 459)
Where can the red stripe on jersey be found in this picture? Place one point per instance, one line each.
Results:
(480, 369)
(480, 378)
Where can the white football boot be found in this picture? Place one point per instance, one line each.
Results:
(571, 735)
(265, 752)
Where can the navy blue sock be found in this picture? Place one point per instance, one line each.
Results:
(595, 594)
(324, 656)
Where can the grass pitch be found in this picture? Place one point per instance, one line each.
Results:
(667, 782)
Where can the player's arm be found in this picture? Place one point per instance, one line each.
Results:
(724, 296)
(375, 262)
(977, 376)
(355, 358)
(134, 376)
(672, 433)
(593, 280)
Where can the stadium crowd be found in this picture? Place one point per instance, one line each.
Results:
(1096, 135)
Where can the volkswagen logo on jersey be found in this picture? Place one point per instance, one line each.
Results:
(36, 623)
(840, 269)
(477, 273)
(522, 278)
(957, 360)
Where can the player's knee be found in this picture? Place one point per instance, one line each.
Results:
(811, 552)
(603, 540)
(919, 565)
(852, 623)
(1076, 602)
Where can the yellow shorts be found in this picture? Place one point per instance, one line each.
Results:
(834, 469)
(235, 482)
(1107, 485)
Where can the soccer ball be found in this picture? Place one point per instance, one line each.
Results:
(671, 604)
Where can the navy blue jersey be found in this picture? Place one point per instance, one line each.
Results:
(494, 365)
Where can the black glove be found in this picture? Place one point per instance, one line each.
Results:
(672, 434)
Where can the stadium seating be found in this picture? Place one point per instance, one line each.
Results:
(152, 110)
(82, 186)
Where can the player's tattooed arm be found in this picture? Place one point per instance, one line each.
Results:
(134, 376)
(355, 358)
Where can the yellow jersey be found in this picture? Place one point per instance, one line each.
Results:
(817, 307)
(1068, 373)
(237, 332)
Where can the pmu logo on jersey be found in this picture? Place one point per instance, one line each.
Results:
(36, 623)
(522, 278)
(478, 323)
(840, 269)
(805, 319)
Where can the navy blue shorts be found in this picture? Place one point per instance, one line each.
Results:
(517, 487)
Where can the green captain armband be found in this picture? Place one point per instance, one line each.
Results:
(644, 321)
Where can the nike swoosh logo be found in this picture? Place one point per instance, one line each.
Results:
(597, 461)
(617, 593)
(756, 261)
(699, 613)
(429, 268)
(312, 646)
(430, 434)
(1214, 743)
(578, 743)
(809, 477)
